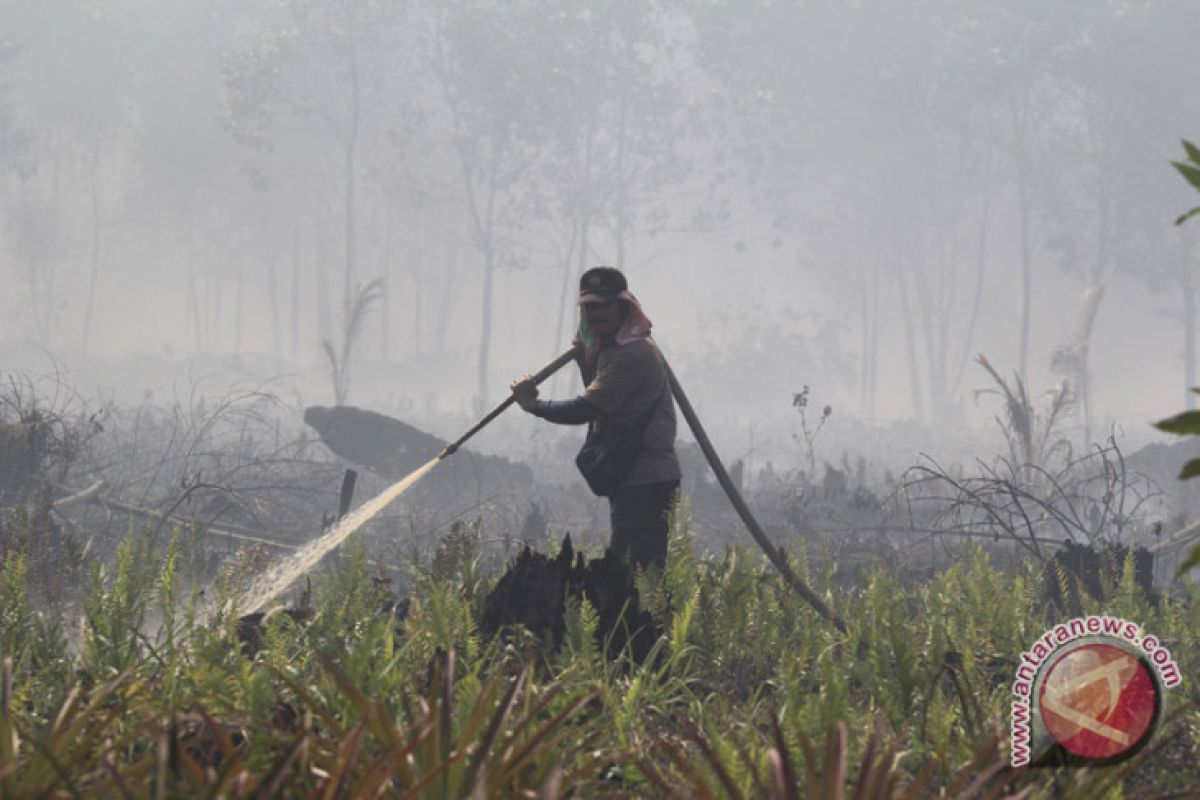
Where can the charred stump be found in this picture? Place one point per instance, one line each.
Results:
(1083, 568)
(23, 449)
(533, 593)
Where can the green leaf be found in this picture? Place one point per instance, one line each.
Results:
(1192, 151)
(1188, 216)
(1183, 424)
(1193, 560)
(1190, 172)
(1190, 470)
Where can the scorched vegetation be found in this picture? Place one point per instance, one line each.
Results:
(138, 675)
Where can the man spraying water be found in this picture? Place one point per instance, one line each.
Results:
(629, 455)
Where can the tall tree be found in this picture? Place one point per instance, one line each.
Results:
(307, 94)
(80, 117)
(14, 139)
(622, 136)
(187, 187)
(896, 164)
(483, 58)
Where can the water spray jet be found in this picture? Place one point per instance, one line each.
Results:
(276, 580)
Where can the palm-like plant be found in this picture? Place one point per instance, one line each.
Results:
(709, 765)
(115, 742)
(1029, 430)
(339, 357)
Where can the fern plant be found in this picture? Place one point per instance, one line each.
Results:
(790, 767)
(116, 609)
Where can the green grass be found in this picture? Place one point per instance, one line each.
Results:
(748, 693)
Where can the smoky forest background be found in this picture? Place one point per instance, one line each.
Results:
(916, 265)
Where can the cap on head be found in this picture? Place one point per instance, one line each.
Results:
(601, 285)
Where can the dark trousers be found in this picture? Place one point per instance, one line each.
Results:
(639, 521)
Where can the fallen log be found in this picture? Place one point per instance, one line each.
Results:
(393, 449)
(80, 497)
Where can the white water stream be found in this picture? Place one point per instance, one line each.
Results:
(270, 584)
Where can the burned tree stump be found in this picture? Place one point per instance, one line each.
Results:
(532, 592)
(534, 589)
(22, 452)
(1077, 568)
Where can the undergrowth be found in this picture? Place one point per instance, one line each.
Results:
(747, 693)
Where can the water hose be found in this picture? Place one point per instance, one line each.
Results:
(776, 555)
(545, 372)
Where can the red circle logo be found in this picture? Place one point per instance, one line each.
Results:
(1098, 701)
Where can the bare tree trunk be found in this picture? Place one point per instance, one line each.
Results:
(321, 282)
(385, 297)
(94, 193)
(564, 298)
(873, 361)
(194, 311)
(864, 390)
(276, 322)
(1085, 393)
(1026, 310)
(206, 307)
(574, 379)
(914, 375)
(622, 205)
(239, 302)
(585, 217)
(40, 261)
(485, 237)
(449, 284)
(195, 305)
(977, 297)
(870, 332)
(485, 335)
(418, 273)
(297, 265)
(1104, 233)
(349, 198)
(946, 307)
(215, 292)
(213, 295)
(349, 254)
(1085, 385)
(934, 351)
(1020, 117)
